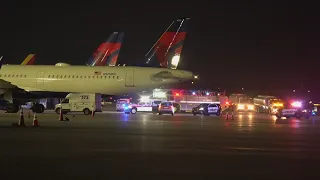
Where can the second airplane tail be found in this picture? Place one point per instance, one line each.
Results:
(108, 51)
(167, 50)
(29, 60)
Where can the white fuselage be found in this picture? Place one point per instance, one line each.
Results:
(110, 80)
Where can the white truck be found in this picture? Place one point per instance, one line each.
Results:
(80, 102)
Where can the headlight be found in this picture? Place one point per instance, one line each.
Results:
(250, 107)
(240, 106)
(200, 109)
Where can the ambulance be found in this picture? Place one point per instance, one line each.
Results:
(80, 102)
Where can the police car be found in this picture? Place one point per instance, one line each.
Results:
(207, 109)
(294, 109)
(128, 108)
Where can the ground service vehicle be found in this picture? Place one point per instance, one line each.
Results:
(267, 104)
(80, 102)
(166, 108)
(207, 109)
(294, 109)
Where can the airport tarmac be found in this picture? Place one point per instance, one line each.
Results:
(144, 145)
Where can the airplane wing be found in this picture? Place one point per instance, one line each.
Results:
(28, 89)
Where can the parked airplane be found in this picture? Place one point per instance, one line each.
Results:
(115, 80)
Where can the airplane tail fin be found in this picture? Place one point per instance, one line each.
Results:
(108, 51)
(29, 59)
(167, 50)
(1, 62)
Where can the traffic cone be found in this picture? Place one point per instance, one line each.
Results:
(35, 121)
(29, 114)
(227, 115)
(61, 115)
(21, 121)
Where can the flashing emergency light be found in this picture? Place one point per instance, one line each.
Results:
(127, 107)
(296, 104)
(207, 93)
(227, 103)
(278, 104)
(193, 93)
(177, 94)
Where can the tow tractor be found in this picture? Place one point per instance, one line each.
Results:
(296, 109)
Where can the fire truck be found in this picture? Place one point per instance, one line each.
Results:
(185, 100)
(241, 102)
(267, 104)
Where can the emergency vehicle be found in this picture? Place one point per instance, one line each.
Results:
(241, 102)
(207, 109)
(145, 104)
(186, 100)
(121, 103)
(267, 104)
(297, 109)
(80, 102)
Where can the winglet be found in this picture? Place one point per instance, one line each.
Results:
(29, 59)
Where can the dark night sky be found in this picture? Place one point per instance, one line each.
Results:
(260, 46)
